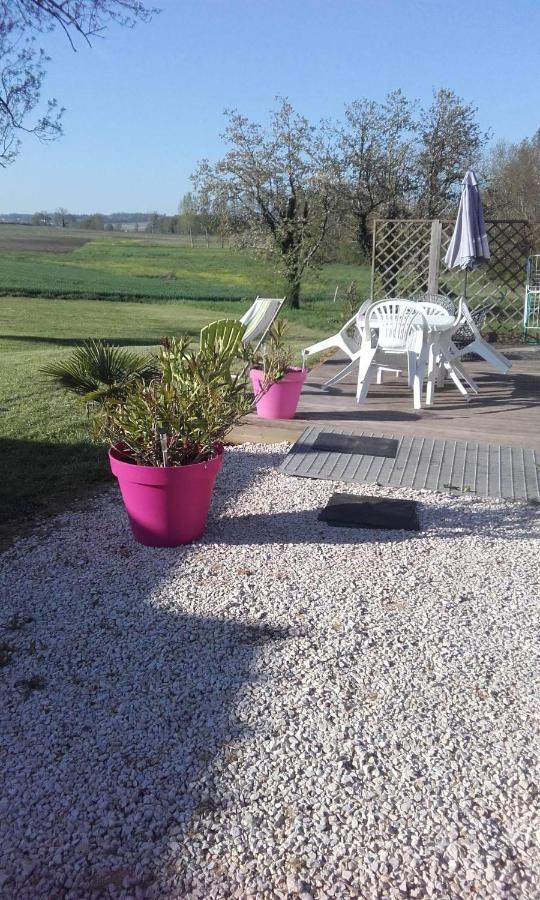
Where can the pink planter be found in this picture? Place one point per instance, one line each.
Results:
(280, 399)
(166, 507)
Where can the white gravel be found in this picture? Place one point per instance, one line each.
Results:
(284, 709)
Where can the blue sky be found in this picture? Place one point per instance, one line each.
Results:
(143, 106)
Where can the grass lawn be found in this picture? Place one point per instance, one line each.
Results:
(46, 458)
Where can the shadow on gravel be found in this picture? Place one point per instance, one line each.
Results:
(116, 702)
(110, 731)
(303, 526)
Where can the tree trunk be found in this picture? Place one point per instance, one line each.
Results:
(293, 294)
(362, 234)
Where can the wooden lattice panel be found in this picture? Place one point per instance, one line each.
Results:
(408, 259)
(400, 257)
(501, 280)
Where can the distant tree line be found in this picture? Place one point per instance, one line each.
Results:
(196, 218)
(62, 218)
(191, 220)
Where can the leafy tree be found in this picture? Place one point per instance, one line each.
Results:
(513, 176)
(23, 62)
(188, 211)
(450, 141)
(60, 216)
(221, 220)
(95, 222)
(281, 181)
(154, 223)
(378, 160)
(206, 220)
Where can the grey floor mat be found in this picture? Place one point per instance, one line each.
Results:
(483, 470)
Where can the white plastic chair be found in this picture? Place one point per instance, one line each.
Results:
(349, 343)
(478, 345)
(439, 362)
(259, 319)
(401, 343)
(343, 340)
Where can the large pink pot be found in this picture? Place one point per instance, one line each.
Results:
(279, 399)
(166, 507)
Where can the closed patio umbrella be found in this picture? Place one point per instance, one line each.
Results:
(469, 244)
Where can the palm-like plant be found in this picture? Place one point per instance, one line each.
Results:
(97, 371)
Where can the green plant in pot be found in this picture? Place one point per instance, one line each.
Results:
(166, 432)
(277, 383)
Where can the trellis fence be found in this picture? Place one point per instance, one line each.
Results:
(408, 258)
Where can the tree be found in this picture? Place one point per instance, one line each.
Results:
(23, 62)
(42, 218)
(206, 220)
(188, 215)
(60, 216)
(221, 219)
(95, 222)
(281, 180)
(378, 160)
(513, 177)
(154, 223)
(450, 141)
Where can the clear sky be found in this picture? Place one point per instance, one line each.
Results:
(143, 106)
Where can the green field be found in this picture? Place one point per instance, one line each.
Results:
(147, 267)
(46, 458)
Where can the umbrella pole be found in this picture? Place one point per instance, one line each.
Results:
(465, 284)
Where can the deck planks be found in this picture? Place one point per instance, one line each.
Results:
(505, 413)
(447, 466)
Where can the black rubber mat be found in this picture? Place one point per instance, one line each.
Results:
(359, 511)
(358, 444)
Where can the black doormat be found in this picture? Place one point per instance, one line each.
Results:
(357, 511)
(355, 443)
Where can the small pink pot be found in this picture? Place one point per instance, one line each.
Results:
(279, 399)
(166, 507)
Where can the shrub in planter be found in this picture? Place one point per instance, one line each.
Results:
(277, 384)
(165, 436)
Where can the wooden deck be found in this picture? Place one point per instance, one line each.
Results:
(506, 411)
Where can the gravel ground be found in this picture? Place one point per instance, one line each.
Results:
(283, 709)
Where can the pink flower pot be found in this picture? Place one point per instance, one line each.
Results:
(279, 399)
(166, 506)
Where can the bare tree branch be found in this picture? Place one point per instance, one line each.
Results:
(23, 63)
